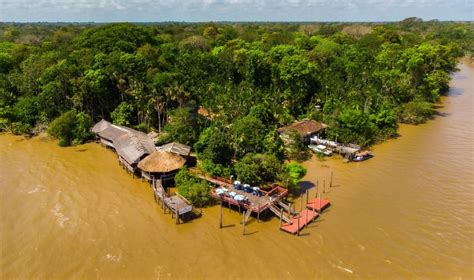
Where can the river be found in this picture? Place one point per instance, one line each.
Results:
(407, 213)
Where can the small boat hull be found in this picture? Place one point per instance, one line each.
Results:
(362, 157)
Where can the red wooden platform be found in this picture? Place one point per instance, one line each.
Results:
(317, 204)
(305, 217)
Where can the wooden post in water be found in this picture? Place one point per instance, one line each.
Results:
(177, 215)
(281, 216)
(258, 212)
(317, 188)
(220, 215)
(307, 196)
(319, 202)
(298, 229)
(243, 224)
(314, 211)
(324, 186)
(301, 203)
(330, 184)
(289, 212)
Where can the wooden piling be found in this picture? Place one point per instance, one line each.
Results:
(317, 188)
(307, 212)
(307, 196)
(258, 213)
(330, 184)
(177, 216)
(324, 186)
(301, 203)
(220, 215)
(281, 216)
(289, 211)
(243, 224)
(298, 230)
(319, 203)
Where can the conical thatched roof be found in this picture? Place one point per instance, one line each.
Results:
(161, 162)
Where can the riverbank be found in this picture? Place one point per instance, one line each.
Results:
(407, 213)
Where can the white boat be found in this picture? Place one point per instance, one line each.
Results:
(321, 149)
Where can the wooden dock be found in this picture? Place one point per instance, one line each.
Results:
(176, 204)
(343, 149)
(256, 204)
(290, 220)
(297, 223)
(318, 204)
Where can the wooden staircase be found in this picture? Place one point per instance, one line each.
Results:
(287, 208)
(279, 212)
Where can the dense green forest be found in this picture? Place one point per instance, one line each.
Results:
(251, 78)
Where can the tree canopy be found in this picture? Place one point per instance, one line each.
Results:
(360, 79)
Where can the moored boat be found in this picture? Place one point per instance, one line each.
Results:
(361, 156)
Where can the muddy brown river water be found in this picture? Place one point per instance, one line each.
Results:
(407, 213)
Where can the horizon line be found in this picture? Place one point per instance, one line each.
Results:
(221, 21)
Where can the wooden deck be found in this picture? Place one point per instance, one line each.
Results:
(318, 204)
(256, 204)
(176, 204)
(299, 222)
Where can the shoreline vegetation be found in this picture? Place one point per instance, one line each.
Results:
(225, 88)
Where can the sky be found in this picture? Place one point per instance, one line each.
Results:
(232, 10)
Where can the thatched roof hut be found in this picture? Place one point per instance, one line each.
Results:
(175, 148)
(133, 145)
(161, 162)
(304, 127)
(130, 144)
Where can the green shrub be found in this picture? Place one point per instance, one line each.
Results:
(19, 128)
(26, 110)
(184, 127)
(215, 169)
(122, 114)
(213, 145)
(296, 149)
(255, 169)
(71, 128)
(193, 189)
(354, 126)
(292, 174)
(82, 128)
(273, 144)
(415, 112)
